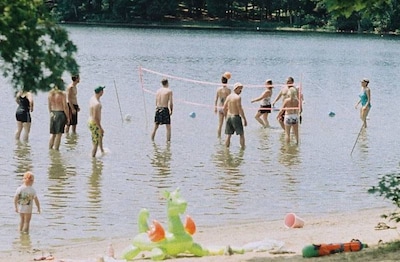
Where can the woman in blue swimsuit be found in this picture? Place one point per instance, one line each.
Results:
(365, 100)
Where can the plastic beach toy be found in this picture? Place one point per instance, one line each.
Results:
(293, 221)
(327, 249)
(176, 240)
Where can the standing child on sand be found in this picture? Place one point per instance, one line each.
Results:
(23, 202)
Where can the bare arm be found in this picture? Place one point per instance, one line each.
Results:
(241, 112)
(277, 98)
(263, 95)
(30, 98)
(37, 204)
(171, 104)
(16, 203)
(97, 116)
(368, 98)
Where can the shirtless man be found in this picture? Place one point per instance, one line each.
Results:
(234, 112)
(95, 120)
(164, 107)
(284, 93)
(58, 109)
(72, 101)
(290, 111)
(222, 94)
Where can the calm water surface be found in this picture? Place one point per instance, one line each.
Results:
(99, 198)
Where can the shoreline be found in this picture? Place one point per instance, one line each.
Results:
(218, 27)
(265, 235)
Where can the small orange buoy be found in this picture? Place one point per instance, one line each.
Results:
(156, 232)
(190, 226)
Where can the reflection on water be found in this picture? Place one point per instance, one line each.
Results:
(229, 163)
(289, 153)
(23, 242)
(230, 179)
(22, 155)
(94, 182)
(58, 181)
(71, 140)
(161, 161)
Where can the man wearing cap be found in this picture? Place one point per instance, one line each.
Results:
(164, 107)
(234, 112)
(58, 109)
(72, 102)
(95, 120)
(365, 100)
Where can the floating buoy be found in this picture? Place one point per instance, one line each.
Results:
(192, 114)
(128, 117)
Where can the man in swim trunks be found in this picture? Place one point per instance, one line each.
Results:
(58, 109)
(95, 120)
(164, 107)
(234, 111)
(290, 111)
(222, 93)
(284, 94)
(72, 102)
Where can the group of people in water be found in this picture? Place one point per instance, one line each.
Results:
(228, 107)
(63, 109)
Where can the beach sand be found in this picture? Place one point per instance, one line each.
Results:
(266, 235)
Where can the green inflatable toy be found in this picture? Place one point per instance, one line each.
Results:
(176, 240)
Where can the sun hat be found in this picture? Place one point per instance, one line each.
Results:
(237, 85)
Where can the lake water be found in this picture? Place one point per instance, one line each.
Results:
(85, 198)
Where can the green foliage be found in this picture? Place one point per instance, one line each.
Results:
(35, 51)
(389, 188)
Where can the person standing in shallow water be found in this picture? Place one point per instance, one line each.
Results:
(265, 105)
(95, 120)
(222, 94)
(365, 100)
(164, 107)
(23, 114)
(58, 109)
(24, 198)
(72, 102)
(234, 116)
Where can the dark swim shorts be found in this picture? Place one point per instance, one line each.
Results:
(162, 116)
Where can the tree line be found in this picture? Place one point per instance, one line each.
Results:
(354, 15)
(35, 50)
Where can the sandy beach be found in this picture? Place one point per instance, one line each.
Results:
(260, 237)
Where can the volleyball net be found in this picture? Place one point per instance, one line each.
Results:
(200, 93)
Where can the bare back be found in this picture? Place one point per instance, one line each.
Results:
(164, 97)
(57, 100)
(222, 93)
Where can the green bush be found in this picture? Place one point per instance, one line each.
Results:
(389, 188)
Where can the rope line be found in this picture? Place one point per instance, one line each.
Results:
(201, 82)
(142, 69)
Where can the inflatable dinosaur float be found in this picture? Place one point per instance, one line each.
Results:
(176, 240)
